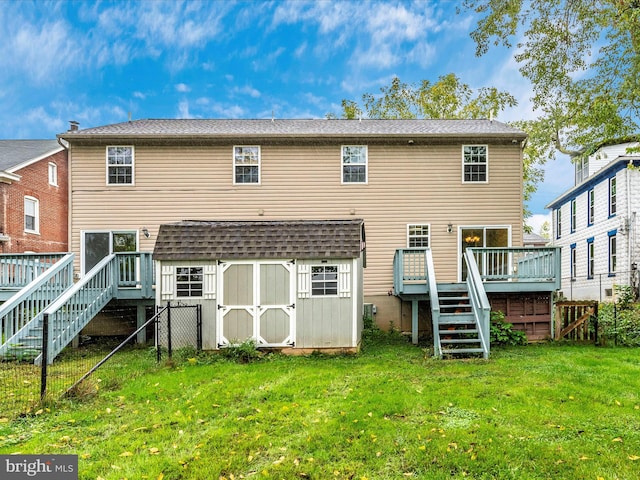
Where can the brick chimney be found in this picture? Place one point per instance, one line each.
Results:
(73, 126)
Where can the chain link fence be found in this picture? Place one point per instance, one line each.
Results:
(599, 287)
(113, 342)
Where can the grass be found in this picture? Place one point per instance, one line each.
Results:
(390, 412)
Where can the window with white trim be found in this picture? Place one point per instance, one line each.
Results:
(574, 263)
(418, 236)
(582, 169)
(246, 164)
(120, 165)
(324, 280)
(31, 215)
(189, 281)
(573, 215)
(53, 174)
(612, 196)
(613, 256)
(592, 207)
(558, 223)
(591, 257)
(475, 163)
(354, 163)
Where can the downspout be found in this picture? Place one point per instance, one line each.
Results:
(69, 189)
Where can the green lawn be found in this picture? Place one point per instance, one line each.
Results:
(540, 411)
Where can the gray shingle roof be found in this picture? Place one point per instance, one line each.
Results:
(281, 239)
(295, 128)
(16, 152)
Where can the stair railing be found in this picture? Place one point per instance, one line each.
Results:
(68, 315)
(26, 307)
(432, 285)
(480, 305)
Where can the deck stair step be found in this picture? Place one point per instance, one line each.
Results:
(457, 330)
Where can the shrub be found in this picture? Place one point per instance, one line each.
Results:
(244, 352)
(502, 333)
(619, 324)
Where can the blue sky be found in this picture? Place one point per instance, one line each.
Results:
(98, 62)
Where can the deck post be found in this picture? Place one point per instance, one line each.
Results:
(141, 319)
(414, 322)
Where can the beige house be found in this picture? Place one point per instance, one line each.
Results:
(434, 186)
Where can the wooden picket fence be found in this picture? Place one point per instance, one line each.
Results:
(576, 320)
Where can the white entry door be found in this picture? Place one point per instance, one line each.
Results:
(256, 301)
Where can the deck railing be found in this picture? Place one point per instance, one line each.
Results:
(480, 305)
(19, 269)
(134, 271)
(515, 264)
(26, 305)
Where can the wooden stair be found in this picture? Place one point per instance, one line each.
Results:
(457, 328)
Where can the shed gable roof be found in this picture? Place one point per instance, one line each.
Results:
(295, 239)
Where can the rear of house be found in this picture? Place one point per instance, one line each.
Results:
(442, 184)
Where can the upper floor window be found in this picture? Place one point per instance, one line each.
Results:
(246, 164)
(591, 257)
(189, 281)
(573, 215)
(31, 215)
(53, 174)
(475, 163)
(591, 196)
(120, 165)
(417, 236)
(574, 262)
(582, 170)
(612, 196)
(354, 163)
(324, 280)
(558, 223)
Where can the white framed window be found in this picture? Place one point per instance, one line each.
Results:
(53, 174)
(246, 164)
(475, 164)
(592, 207)
(582, 170)
(573, 215)
(613, 255)
(591, 257)
(418, 235)
(612, 197)
(354, 163)
(189, 281)
(558, 223)
(324, 280)
(31, 215)
(120, 164)
(574, 262)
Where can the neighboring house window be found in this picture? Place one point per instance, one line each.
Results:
(417, 236)
(31, 215)
(354, 163)
(53, 174)
(246, 164)
(558, 223)
(592, 207)
(582, 170)
(591, 257)
(324, 280)
(612, 196)
(475, 163)
(574, 263)
(573, 215)
(120, 165)
(612, 252)
(189, 281)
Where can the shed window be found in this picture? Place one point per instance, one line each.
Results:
(246, 164)
(475, 163)
(354, 164)
(189, 281)
(418, 236)
(324, 280)
(120, 165)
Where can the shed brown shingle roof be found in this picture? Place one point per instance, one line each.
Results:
(282, 239)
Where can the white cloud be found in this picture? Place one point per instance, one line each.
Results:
(537, 220)
(246, 90)
(182, 88)
(183, 110)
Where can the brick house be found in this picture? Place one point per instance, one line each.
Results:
(33, 196)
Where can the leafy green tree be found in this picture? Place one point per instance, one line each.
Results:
(583, 60)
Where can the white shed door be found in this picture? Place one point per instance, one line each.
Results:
(256, 301)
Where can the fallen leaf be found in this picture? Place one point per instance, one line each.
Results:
(633, 458)
(617, 439)
(126, 454)
(154, 451)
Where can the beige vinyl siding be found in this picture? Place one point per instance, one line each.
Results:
(406, 184)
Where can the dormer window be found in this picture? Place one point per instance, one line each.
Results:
(582, 170)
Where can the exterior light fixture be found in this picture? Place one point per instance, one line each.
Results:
(450, 228)
(145, 232)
